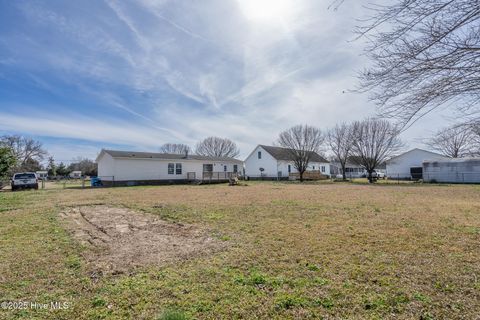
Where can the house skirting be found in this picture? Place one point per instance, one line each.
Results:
(267, 178)
(130, 183)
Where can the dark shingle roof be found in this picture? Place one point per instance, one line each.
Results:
(164, 156)
(280, 153)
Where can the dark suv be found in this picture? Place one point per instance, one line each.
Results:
(24, 180)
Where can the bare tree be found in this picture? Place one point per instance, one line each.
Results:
(455, 141)
(217, 147)
(87, 166)
(176, 148)
(476, 138)
(301, 141)
(340, 142)
(374, 141)
(425, 53)
(27, 151)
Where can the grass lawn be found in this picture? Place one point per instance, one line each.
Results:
(332, 250)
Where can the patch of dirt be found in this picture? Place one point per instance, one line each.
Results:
(121, 239)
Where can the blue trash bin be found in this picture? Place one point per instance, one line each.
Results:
(95, 182)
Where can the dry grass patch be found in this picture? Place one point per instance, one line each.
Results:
(120, 239)
(291, 251)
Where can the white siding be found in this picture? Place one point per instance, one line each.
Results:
(399, 167)
(317, 166)
(273, 167)
(454, 170)
(267, 162)
(106, 166)
(154, 169)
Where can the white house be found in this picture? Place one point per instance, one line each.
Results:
(408, 165)
(134, 168)
(353, 168)
(42, 175)
(275, 163)
(463, 170)
(75, 174)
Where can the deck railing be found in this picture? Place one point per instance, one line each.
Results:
(222, 175)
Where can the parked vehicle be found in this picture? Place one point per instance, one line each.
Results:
(378, 174)
(24, 180)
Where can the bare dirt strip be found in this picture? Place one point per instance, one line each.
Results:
(120, 239)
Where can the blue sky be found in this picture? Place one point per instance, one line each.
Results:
(132, 75)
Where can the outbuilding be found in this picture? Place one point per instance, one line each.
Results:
(461, 170)
(409, 165)
(143, 168)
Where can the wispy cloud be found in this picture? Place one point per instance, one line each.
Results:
(144, 73)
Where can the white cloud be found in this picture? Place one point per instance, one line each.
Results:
(171, 71)
(80, 127)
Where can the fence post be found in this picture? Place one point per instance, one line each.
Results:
(113, 181)
(83, 183)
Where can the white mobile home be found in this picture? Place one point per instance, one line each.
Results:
(462, 170)
(42, 175)
(134, 168)
(75, 174)
(408, 165)
(268, 162)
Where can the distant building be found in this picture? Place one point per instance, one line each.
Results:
(269, 162)
(460, 170)
(409, 165)
(42, 175)
(75, 174)
(353, 168)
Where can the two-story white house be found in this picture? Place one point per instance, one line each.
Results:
(269, 162)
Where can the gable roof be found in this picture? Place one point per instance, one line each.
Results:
(353, 161)
(280, 153)
(418, 149)
(162, 156)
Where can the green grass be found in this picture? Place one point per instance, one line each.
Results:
(293, 250)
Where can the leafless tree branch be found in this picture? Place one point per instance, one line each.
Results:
(455, 142)
(217, 147)
(340, 141)
(374, 141)
(175, 148)
(301, 141)
(425, 53)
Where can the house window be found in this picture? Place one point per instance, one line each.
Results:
(323, 168)
(289, 168)
(259, 154)
(208, 168)
(171, 168)
(225, 168)
(178, 168)
(235, 168)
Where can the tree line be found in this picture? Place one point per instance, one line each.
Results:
(23, 154)
(371, 142)
(210, 147)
